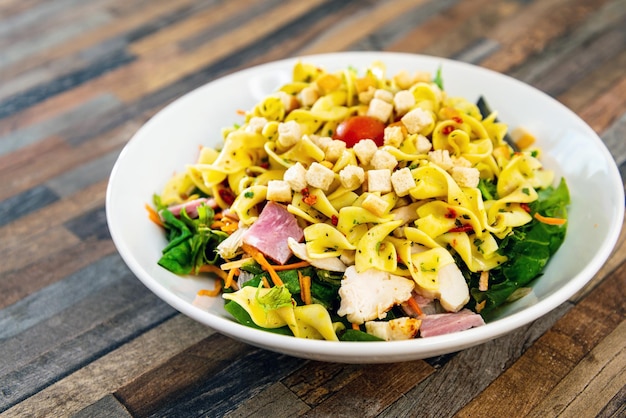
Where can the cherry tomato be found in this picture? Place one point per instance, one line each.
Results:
(356, 128)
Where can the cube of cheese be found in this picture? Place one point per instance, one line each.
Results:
(319, 176)
(379, 180)
(321, 141)
(466, 176)
(416, 120)
(402, 181)
(379, 109)
(289, 133)
(278, 191)
(295, 176)
(351, 176)
(364, 150)
(383, 159)
(393, 136)
(403, 101)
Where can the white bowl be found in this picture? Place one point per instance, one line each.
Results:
(170, 140)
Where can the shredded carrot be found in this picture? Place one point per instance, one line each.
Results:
(483, 282)
(305, 287)
(550, 221)
(260, 258)
(215, 292)
(210, 268)
(292, 266)
(231, 275)
(241, 112)
(153, 215)
(356, 327)
(413, 304)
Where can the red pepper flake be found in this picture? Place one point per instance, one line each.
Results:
(227, 196)
(451, 214)
(309, 199)
(446, 130)
(457, 119)
(334, 219)
(305, 192)
(264, 165)
(462, 228)
(525, 207)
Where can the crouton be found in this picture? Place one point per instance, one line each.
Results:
(379, 180)
(295, 176)
(319, 176)
(422, 144)
(441, 158)
(375, 204)
(383, 94)
(289, 101)
(416, 120)
(364, 150)
(403, 101)
(256, 124)
(379, 109)
(309, 95)
(403, 79)
(465, 176)
(278, 191)
(366, 96)
(383, 159)
(351, 176)
(334, 149)
(402, 181)
(289, 133)
(393, 136)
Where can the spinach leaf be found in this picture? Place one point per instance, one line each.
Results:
(438, 80)
(191, 242)
(528, 249)
(355, 335)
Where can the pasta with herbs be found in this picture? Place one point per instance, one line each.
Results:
(386, 175)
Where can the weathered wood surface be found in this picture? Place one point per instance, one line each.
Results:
(80, 335)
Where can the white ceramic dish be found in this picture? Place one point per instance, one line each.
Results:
(170, 140)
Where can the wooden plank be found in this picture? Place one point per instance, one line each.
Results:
(472, 370)
(51, 217)
(376, 388)
(599, 80)
(528, 32)
(576, 55)
(355, 26)
(209, 378)
(164, 67)
(276, 401)
(605, 109)
(89, 327)
(19, 283)
(113, 370)
(436, 33)
(592, 383)
(556, 353)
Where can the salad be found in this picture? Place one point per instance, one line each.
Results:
(355, 206)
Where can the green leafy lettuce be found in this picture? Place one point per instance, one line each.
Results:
(528, 250)
(191, 242)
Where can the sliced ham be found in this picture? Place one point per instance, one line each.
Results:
(192, 206)
(270, 232)
(445, 323)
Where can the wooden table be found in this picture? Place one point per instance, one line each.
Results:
(80, 335)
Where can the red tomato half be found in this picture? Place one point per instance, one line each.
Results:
(356, 128)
